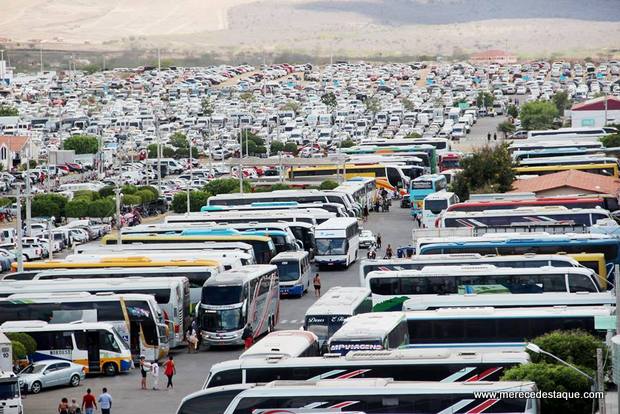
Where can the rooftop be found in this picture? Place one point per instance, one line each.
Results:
(580, 180)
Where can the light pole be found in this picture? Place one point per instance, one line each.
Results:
(118, 195)
(51, 238)
(189, 184)
(20, 235)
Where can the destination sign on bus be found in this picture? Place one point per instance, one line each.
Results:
(421, 185)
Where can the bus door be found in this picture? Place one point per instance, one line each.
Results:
(93, 347)
(134, 338)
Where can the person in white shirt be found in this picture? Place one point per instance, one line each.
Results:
(105, 402)
(155, 374)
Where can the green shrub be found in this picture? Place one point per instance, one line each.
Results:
(151, 189)
(30, 345)
(131, 200)
(77, 208)
(106, 191)
(197, 199)
(48, 205)
(226, 186)
(19, 351)
(575, 347)
(328, 185)
(146, 196)
(104, 207)
(129, 189)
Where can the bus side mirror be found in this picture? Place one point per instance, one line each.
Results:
(299, 244)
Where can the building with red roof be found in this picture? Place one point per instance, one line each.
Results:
(566, 183)
(594, 112)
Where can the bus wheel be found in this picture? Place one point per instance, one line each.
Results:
(109, 369)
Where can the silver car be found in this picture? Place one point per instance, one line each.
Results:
(50, 373)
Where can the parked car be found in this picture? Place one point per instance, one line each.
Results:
(367, 239)
(50, 373)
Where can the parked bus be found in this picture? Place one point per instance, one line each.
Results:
(235, 298)
(221, 260)
(562, 134)
(423, 186)
(501, 328)
(264, 249)
(518, 156)
(171, 294)
(440, 144)
(284, 344)
(449, 161)
(283, 240)
(606, 202)
(426, 152)
(435, 204)
(391, 288)
(376, 396)
(524, 216)
(370, 332)
(96, 345)
(442, 365)
(325, 316)
(337, 242)
(10, 393)
(135, 317)
(568, 160)
(521, 243)
(361, 189)
(529, 260)
(294, 271)
(392, 174)
(608, 170)
(312, 213)
(501, 300)
(560, 145)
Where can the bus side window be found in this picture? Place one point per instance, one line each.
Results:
(62, 340)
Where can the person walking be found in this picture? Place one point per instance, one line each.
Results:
(379, 240)
(317, 285)
(489, 136)
(73, 407)
(89, 405)
(63, 407)
(388, 251)
(105, 401)
(192, 339)
(248, 336)
(365, 213)
(145, 367)
(169, 371)
(495, 136)
(418, 220)
(155, 374)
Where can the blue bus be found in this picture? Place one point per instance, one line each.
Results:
(515, 243)
(422, 186)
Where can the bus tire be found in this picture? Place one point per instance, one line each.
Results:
(110, 369)
(74, 381)
(36, 387)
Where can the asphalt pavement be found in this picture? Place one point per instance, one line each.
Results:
(192, 369)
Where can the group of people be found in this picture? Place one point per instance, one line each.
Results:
(89, 404)
(382, 202)
(152, 369)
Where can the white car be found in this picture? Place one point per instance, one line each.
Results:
(367, 239)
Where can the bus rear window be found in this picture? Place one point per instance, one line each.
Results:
(221, 295)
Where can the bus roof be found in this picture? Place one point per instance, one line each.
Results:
(335, 223)
(552, 299)
(205, 246)
(526, 210)
(91, 284)
(92, 261)
(518, 237)
(242, 275)
(290, 255)
(476, 269)
(339, 301)
(546, 168)
(184, 238)
(368, 325)
(490, 312)
(279, 342)
(439, 195)
(34, 326)
(140, 272)
(430, 177)
(44, 297)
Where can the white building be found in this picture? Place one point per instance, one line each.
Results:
(592, 113)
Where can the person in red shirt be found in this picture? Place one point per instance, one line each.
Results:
(89, 404)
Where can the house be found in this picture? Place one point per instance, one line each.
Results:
(493, 56)
(593, 113)
(568, 182)
(14, 150)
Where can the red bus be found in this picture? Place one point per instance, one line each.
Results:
(607, 202)
(448, 161)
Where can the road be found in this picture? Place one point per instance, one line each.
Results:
(395, 228)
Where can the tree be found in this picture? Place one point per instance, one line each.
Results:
(207, 107)
(512, 111)
(408, 104)
(19, 351)
(276, 146)
(328, 185)
(179, 140)
(106, 191)
(30, 345)
(292, 106)
(554, 378)
(48, 205)
(226, 186)
(197, 199)
(347, 143)
(146, 196)
(413, 135)
(484, 99)
(166, 152)
(538, 115)
(104, 207)
(82, 144)
(131, 200)
(329, 99)
(78, 207)
(506, 127)
(488, 169)
(372, 105)
(8, 111)
(290, 147)
(561, 102)
(611, 141)
(150, 188)
(575, 347)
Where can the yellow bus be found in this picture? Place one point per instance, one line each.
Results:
(609, 170)
(88, 262)
(392, 175)
(595, 262)
(263, 246)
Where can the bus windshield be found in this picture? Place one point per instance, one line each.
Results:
(221, 295)
(288, 271)
(326, 247)
(222, 320)
(9, 390)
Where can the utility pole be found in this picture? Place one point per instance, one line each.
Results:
(41, 56)
(600, 381)
(28, 201)
(240, 166)
(158, 157)
(50, 238)
(117, 192)
(20, 235)
(617, 289)
(189, 184)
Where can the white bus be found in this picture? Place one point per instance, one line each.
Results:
(209, 250)
(96, 345)
(294, 272)
(500, 328)
(337, 242)
(524, 216)
(325, 316)
(361, 189)
(562, 134)
(170, 293)
(312, 213)
(235, 298)
(284, 344)
(435, 204)
(501, 300)
(391, 288)
(529, 260)
(370, 332)
(10, 393)
(136, 317)
(376, 396)
(444, 365)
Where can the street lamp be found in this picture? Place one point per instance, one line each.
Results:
(51, 237)
(538, 350)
